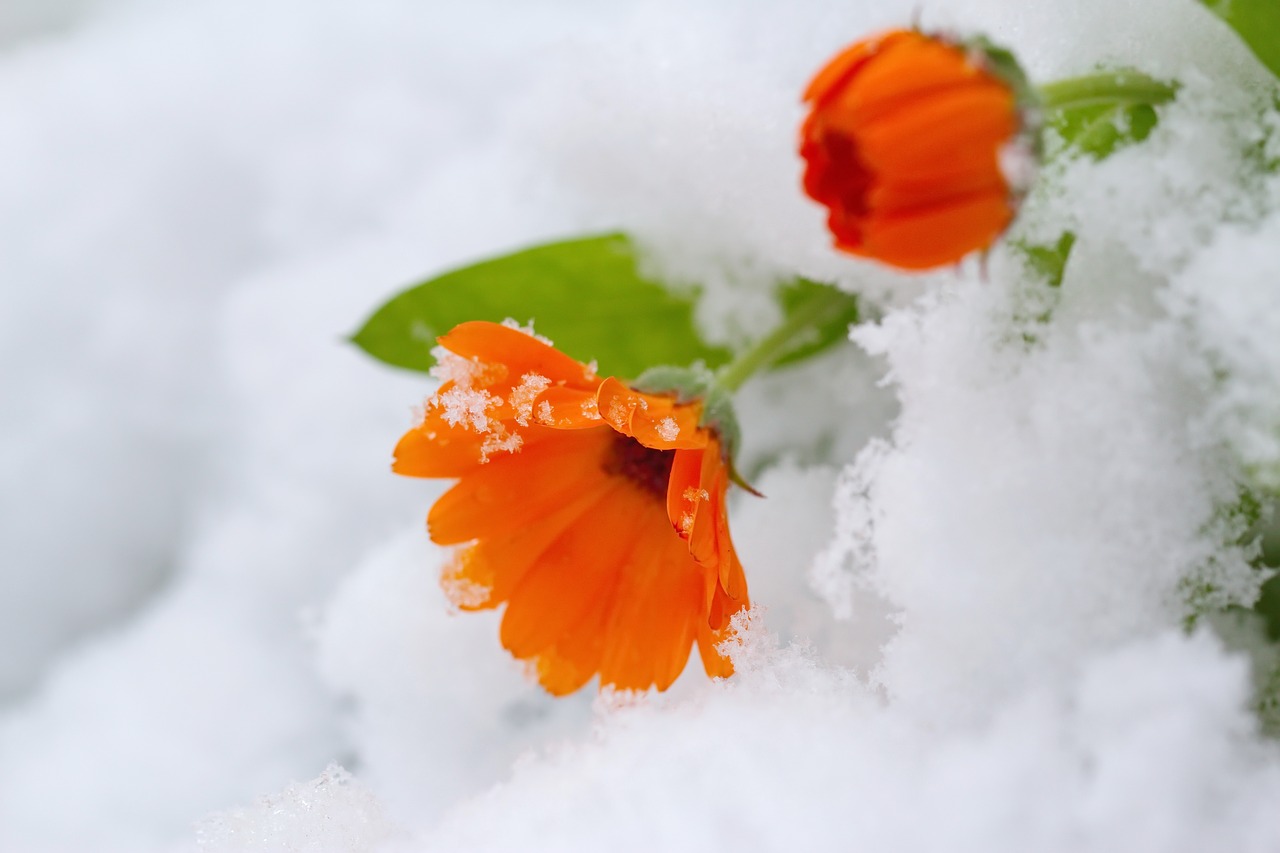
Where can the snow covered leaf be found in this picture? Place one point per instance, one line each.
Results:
(1099, 129)
(585, 294)
(1257, 22)
(1049, 261)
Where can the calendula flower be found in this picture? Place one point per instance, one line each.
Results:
(595, 512)
(917, 146)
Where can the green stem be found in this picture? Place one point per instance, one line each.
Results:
(777, 343)
(1105, 87)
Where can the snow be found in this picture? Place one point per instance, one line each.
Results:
(988, 522)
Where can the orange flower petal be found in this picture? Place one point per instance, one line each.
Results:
(561, 407)
(978, 119)
(658, 601)
(683, 490)
(922, 189)
(576, 656)
(654, 420)
(522, 353)
(930, 237)
(483, 575)
(677, 620)
(703, 544)
(434, 448)
(715, 664)
(910, 69)
(676, 429)
(848, 62)
(496, 498)
(574, 575)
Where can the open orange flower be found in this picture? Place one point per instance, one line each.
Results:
(594, 511)
(904, 144)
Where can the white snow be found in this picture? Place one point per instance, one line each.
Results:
(986, 524)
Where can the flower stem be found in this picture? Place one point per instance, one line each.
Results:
(776, 344)
(1105, 87)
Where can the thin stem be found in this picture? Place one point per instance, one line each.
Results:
(776, 344)
(1105, 87)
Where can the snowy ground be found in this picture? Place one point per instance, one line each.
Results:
(981, 529)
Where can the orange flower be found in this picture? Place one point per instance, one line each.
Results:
(904, 145)
(594, 511)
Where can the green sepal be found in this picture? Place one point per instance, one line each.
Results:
(689, 384)
(1001, 63)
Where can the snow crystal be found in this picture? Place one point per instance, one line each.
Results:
(1235, 323)
(1109, 755)
(500, 440)
(451, 367)
(468, 407)
(622, 410)
(528, 330)
(331, 812)
(438, 709)
(668, 429)
(524, 395)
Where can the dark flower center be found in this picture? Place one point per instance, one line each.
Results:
(645, 467)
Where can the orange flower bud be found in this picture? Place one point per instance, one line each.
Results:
(907, 144)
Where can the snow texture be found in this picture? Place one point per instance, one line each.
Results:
(989, 520)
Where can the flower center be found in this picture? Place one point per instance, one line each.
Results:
(645, 467)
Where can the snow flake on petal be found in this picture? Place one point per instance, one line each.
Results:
(464, 372)
(524, 394)
(621, 410)
(468, 407)
(461, 591)
(528, 330)
(668, 429)
(693, 496)
(500, 440)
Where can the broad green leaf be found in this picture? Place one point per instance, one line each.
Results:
(1257, 22)
(829, 329)
(585, 294)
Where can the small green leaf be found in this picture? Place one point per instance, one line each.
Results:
(1100, 129)
(585, 294)
(830, 329)
(1257, 22)
(1050, 262)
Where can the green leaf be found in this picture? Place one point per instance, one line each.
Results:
(1100, 129)
(1050, 262)
(585, 294)
(830, 329)
(1257, 22)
